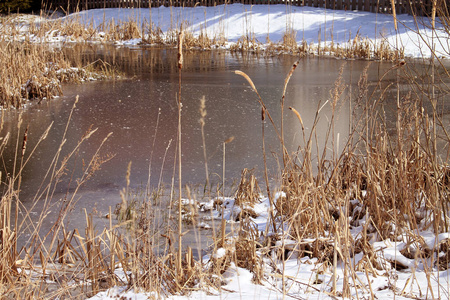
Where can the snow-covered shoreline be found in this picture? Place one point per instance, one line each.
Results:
(264, 24)
(389, 275)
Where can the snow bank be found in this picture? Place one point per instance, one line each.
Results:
(269, 23)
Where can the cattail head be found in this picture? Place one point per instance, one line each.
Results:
(288, 77)
(400, 63)
(229, 140)
(24, 144)
(247, 78)
(180, 49)
(298, 116)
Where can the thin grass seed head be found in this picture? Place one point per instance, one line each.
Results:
(5, 140)
(128, 174)
(19, 123)
(89, 134)
(202, 111)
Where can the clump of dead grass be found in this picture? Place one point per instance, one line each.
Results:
(391, 181)
(248, 193)
(35, 72)
(118, 31)
(29, 72)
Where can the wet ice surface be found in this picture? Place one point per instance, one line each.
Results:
(144, 104)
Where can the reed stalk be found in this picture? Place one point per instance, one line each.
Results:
(229, 140)
(180, 223)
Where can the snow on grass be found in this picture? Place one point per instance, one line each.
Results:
(308, 278)
(315, 26)
(262, 21)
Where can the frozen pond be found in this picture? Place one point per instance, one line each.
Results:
(141, 113)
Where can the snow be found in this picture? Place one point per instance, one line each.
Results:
(124, 294)
(266, 23)
(220, 253)
(307, 278)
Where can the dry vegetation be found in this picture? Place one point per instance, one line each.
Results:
(73, 29)
(36, 72)
(394, 184)
(29, 72)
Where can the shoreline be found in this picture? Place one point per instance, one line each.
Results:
(242, 27)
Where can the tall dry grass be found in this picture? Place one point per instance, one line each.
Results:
(29, 72)
(74, 29)
(394, 182)
(53, 255)
(36, 72)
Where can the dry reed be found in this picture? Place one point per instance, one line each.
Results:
(34, 72)
(73, 29)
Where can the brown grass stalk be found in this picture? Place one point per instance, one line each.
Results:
(180, 224)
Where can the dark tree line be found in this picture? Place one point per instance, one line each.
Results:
(14, 6)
